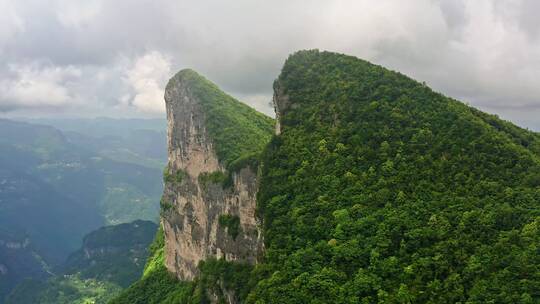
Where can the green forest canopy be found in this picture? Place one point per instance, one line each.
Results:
(379, 190)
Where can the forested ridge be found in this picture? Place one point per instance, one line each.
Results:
(380, 190)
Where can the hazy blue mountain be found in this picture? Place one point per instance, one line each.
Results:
(56, 186)
(139, 141)
(102, 126)
(39, 225)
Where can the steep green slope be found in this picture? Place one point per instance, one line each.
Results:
(379, 190)
(156, 285)
(110, 259)
(238, 131)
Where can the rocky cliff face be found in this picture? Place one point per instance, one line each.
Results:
(281, 103)
(206, 211)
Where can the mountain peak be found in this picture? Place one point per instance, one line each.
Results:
(208, 205)
(235, 129)
(374, 189)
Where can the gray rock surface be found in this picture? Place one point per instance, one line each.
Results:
(191, 220)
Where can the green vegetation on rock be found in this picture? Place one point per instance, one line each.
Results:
(236, 129)
(165, 206)
(155, 257)
(157, 285)
(239, 134)
(175, 177)
(217, 177)
(377, 190)
(231, 223)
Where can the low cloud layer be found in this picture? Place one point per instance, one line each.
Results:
(147, 79)
(103, 58)
(36, 86)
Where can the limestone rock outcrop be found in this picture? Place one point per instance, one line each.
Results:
(203, 216)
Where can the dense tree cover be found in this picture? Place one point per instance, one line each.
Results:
(237, 130)
(379, 190)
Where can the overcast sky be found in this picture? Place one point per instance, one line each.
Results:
(113, 57)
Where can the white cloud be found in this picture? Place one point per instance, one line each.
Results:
(10, 23)
(261, 102)
(78, 13)
(34, 86)
(147, 77)
(484, 52)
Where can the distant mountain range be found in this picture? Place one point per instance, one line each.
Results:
(61, 179)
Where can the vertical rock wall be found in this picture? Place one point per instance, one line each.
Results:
(192, 207)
